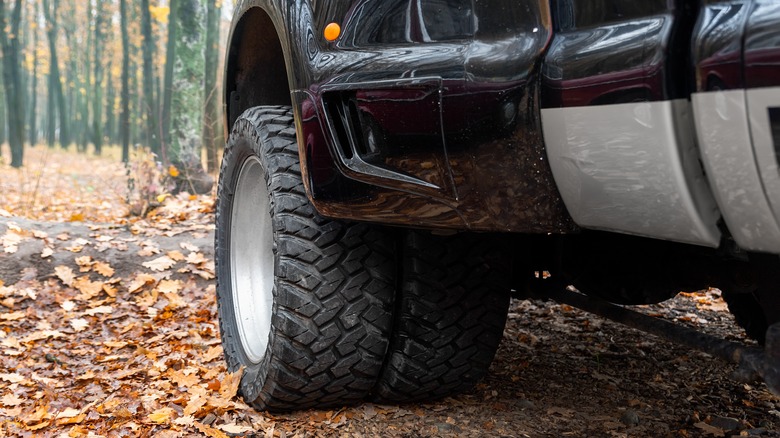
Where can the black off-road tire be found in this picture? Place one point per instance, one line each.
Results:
(449, 319)
(757, 306)
(333, 282)
(748, 314)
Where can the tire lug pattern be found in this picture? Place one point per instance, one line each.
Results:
(334, 287)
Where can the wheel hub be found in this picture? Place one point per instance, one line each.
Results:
(252, 259)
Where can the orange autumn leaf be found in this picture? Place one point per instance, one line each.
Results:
(161, 416)
(229, 385)
(210, 431)
(103, 269)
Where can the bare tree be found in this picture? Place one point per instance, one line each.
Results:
(12, 79)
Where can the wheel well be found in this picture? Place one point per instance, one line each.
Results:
(256, 73)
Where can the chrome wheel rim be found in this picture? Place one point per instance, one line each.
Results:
(252, 259)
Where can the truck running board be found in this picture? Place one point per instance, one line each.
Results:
(752, 362)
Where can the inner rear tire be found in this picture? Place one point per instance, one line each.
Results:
(450, 317)
(305, 303)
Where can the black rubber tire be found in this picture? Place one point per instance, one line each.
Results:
(748, 314)
(450, 316)
(757, 306)
(334, 282)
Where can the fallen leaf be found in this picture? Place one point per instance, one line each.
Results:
(189, 247)
(79, 324)
(11, 242)
(182, 379)
(140, 281)
(11, 400)
(88, 288)
(47, 252)
(160, 264)
(36, 416)
(176, 255)
(187, 420)
(103, 269)
(101, 309)
(161, 416)
(13, 377)
(212, 353)
(169, 286)
(209, 431)
(13, 316)
(85, 263)
(65, 274)
(229, 385)
(67, 413)
(68, 305)
(234, 428)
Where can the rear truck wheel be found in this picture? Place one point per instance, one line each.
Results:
(305, 303)
(753, 295)
(450, 316)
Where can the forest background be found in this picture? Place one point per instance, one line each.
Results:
(90, 74)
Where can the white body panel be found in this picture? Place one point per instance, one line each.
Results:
(735, 175)
(759, 101)
(632, 168)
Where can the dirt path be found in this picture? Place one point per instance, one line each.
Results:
(113, 330)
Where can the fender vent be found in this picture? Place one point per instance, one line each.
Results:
(774, 122)
(342, 113)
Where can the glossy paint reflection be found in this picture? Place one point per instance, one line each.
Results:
(375, 22)
(615, 51)
(717, 45)
(470, 146)
(762, 46)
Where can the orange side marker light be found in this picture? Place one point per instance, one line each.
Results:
(332, 31)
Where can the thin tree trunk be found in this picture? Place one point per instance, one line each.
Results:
(12, 77)
(211, 116)
(34, 88)
(3, 135)
(152, 108)
(124, 120)
(170, 60)
(97, 91)
(109, 132)
(51, 113)
(51, 18)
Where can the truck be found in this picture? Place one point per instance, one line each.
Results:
(396, 170)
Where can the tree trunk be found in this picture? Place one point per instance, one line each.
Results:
(212, 126)
(170, 60)
(97, 91)
(124, 120)
(51, 18)
(109, 132)
(51, 112)
(186, 95)
(12, 78)
(152, 109)
(34, 88)
(2, 112)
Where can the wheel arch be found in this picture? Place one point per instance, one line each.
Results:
(255, 66)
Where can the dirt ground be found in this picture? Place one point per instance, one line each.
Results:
(108, 327)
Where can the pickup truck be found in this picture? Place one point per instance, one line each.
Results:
(396, 169)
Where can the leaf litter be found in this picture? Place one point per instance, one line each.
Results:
(109, 328)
